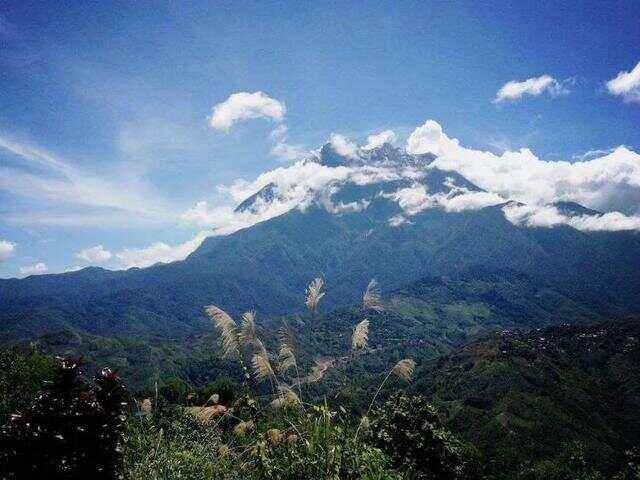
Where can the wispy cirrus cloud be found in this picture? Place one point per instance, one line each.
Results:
(626, 85)
(159, 252)
(76, 194)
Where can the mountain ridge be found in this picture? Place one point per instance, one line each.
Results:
(344, 233)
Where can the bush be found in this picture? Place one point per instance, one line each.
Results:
(73, 429)
(408, 430)
(22, 374)
(224, 387)
(289, 445)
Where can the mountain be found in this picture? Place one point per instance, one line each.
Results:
(384, 214)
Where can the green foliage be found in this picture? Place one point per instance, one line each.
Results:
(408, 430)
(224, 387)
(526, 399)
(174, 389)
(21, 377)
(317, 444)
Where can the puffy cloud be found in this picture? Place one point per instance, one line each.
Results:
(244, 106)
(611, 221)
(160, 252)
(6, 249)
(516, 175)
(429, 138)
(36, 269)
(534, 87)
(343, 146)
(94, 255)
(413, 199)
(626, 85)
(549, 216)
(379, 139)
(288, 152)
(609, 182)
(533, 216)
(416, 198)
(294, 186)
(461, 200)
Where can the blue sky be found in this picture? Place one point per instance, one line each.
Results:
(105, 107)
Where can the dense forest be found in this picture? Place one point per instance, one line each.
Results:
(341, 395)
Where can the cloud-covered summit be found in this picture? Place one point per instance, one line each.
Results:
(527, 188)
(609, 183)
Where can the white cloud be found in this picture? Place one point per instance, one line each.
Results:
(244, 106)
(534, 87)
(429, 138)
(626, 85)
(397, 220)
(609, 182)
(45, 177)
(295, 186)
(548, 216)
(611, 221)
(460, 200)
(6, 249)
(379, 139)
(94, 255)
(37, 269)
(339, 208)
(288, 152)
(533, 215)
(159, 252)
(343, 146)
(416, 198)
(413, 199)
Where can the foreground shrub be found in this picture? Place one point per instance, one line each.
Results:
(22, 373)
(286, 445)
(73, 430)
(408, 430)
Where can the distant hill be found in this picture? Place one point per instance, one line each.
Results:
(534, 395)
(429, 317)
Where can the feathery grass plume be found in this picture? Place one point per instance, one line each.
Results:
(222, 320)
(224, 450)
(314, 294)
(248, 333)
(274, 436)
(262, 366)
(146, 406)
(360, 335)
(286, 397)
(243, 427)
(371, 299)
(287, 358)
(318, 370)
(404, 369)
(288, 337)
